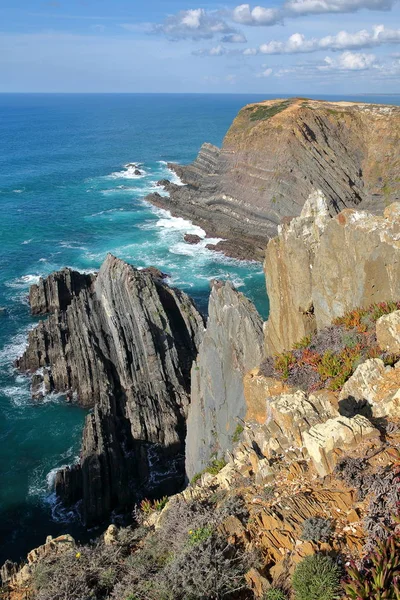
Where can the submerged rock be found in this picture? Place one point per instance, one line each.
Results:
(124, 347)
(232, 344)
(191, 238)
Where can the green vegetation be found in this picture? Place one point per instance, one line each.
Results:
(317, 577)
(213, 468)
(275, 594)
(263, 112)
(197, 536)
(147, 506)
(237, 433)
(328, 359)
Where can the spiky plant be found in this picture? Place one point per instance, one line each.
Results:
(317, 577)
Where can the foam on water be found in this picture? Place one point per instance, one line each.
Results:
(129, 172)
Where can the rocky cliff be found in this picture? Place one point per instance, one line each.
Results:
(56, 291)
(278, 152)
(319, 267)
(124, 346)
(232, 344)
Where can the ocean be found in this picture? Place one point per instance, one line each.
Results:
(68, 195)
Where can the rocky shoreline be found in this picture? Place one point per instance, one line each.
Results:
(273, 157)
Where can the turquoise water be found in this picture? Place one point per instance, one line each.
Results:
(67, 199)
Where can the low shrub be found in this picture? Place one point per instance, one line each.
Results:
(275, 594)
(316, 529)
(317, 577)
(237, 433)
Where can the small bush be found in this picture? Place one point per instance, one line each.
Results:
(317, 577)
(237, 433)
(316, 529)
(275, 594)
(197, 536)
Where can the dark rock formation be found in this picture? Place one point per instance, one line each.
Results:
(125, 347)
(57, 290)
(275, 155)
(190, 238)
(232, 344)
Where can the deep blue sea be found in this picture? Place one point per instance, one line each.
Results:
(67, 197)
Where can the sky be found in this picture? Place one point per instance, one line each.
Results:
(277, 47)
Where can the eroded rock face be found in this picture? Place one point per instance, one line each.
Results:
(320, 267)
(232, 344)
(275, 154)
(55, 292)
(326, 441)
(124, 346)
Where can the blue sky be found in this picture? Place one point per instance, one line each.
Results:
(280, 46)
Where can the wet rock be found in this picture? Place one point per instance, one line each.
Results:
(190, 238)
(155, 273)
(231, 345)
(124, 346)
(388, 331)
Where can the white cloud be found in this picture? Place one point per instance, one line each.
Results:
(195, 24)
(259, 15)
(299, 44)
(309, 7)
(216, 51)
(234, 38)
(265, 73)
(349, 61)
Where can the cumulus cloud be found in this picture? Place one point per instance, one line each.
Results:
(195, 24)
(245, 15)
(299, 44)
(234, 38)
(315, 7)
(349, 61)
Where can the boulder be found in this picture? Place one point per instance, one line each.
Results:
(373, 390)
(258, 390)
(388, 331)
(326, 441)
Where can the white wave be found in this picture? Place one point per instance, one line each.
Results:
(105, 212)
(26, 242)
(130, 172)
(23, 282)
(173, 177)
(15, 348)
(42, 260)
(18, 395)
(72, 245)
(18, 191)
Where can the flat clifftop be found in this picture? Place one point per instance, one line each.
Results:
(276, 153)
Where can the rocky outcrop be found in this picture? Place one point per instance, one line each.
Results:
(320, 267)
(124, 347)
(388, 332)
(55, 292)
(232, 344)
(278, 152)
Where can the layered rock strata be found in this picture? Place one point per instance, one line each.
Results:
(278, 152)
(232, 344)
(124, 347)
(56, 291)
(319, 267)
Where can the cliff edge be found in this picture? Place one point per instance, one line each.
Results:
(275, 154)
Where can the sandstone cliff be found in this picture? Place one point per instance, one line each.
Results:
(275, 155)
(124, 346)
(319, 267)
(232, 344)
